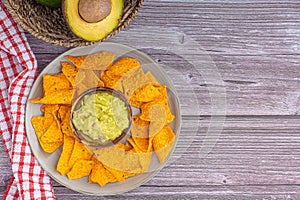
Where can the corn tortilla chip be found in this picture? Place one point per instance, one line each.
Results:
(76, 60)
(144, 155)
(139, 128)
(80, 169)
(135, 103)
(79, 152)
(50, 108)
(49, 119)
(80, 88)
(63, 111)
(53, 133)
(69, 71)
(38, 125)
(59, 97)
(63, 162)
(100, 175)
(50, 147)
(98, 61)
(125, 147)
(112, 82)
(90, 79)
(100, 83)
(146, 93)
(136, 80)
(146, 107)
(49, 112)
(126, 162)
(158, 118)
(119, 175)
(163, 143)
(55, 82)
(141, 143)
(122, 66)
(65, 125)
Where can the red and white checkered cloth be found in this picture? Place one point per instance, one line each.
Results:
(18, 69)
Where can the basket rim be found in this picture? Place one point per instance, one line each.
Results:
(67, 43)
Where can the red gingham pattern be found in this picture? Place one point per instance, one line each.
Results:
(18, 69)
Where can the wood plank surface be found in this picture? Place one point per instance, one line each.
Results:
(255, 48)
(254, 45)
(252, 157)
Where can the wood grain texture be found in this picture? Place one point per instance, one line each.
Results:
(255, 46)
(253, 156)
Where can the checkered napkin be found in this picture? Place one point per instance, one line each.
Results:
(18, 69)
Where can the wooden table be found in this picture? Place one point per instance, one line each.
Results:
(255, 46)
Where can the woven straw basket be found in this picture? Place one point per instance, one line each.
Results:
(49, 25)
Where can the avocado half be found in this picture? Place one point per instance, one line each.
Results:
(94, 31)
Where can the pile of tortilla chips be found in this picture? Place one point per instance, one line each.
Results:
(150, 131)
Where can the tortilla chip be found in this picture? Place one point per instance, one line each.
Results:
(158, 118)
(49, 119)
(69, 71)
(59, 97)
(49, 111)
(90, 79)
(135, 103)
(100, 83)
(50, 147)
(98, 61)
(98, 73)
(139, 128)
(80, 88)
(141, 143)
(63, 111)
(136, 80)
(63, 162)
(146, 107)
(50, 108)
(53, 133)
(146, 93)
(100, 175)
(119, 175)
(145, 155)
(76, 60)
(112, 82)
(38, 125)
(125, 147)
(55, 82)
(79, 152)
(145, 160)
(150, 144)
(163, 143)
(65, 125)
(122, 66)
(125, 162)
(80, 169)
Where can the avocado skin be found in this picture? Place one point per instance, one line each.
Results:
(93, 32)
(50, 3)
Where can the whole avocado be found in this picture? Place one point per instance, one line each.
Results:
(50, 3)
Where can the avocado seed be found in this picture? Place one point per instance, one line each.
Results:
(93, 11)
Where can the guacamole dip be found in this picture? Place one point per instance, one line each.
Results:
(101, 116)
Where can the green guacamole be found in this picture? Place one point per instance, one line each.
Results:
(101, 117)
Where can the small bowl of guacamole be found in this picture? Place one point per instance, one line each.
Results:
(101, 117)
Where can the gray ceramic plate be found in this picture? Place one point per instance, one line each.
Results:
(49, 161)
